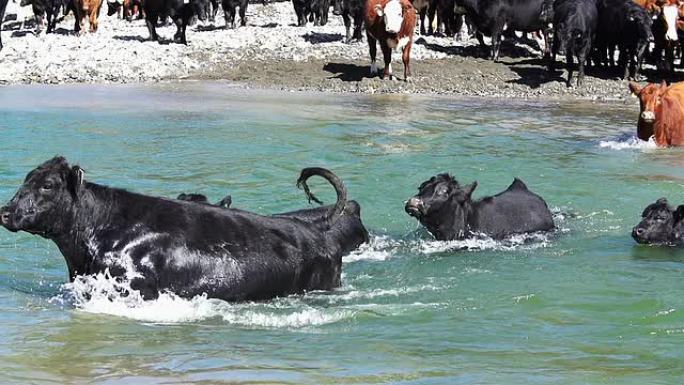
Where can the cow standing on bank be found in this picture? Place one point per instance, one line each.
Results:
(3, 5)
(350, 9)
(390, 23)
(180, 11)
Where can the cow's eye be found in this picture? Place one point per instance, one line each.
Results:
(442, 191)
(47, 186)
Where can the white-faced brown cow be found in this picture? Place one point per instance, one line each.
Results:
(390, 23)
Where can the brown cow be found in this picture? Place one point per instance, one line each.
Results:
(661, 113)
(91, 8)
(390, 23)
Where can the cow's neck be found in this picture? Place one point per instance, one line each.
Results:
(95, 206)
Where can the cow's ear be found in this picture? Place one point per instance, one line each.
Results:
(76, 179)
(678, 214)
(634, 88)
(378, 10)
(468, 190)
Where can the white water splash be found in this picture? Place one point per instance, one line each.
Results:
(378, 248)
(103, 294)
(527, 241)
(629, 143)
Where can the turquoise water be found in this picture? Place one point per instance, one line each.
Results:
(582, 306)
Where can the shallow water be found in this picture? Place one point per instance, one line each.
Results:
(582, 306)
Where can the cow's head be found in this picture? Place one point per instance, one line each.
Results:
(442, 204)
(657, 223)
(670, 14)
(44, 203)
(392, 14)
(650, 98)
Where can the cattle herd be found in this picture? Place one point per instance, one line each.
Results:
(592, 32)
(191, 247)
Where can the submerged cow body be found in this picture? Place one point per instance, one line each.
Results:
(188, 248)
(661, 113)
(660, 225)
(448, 212)
(390, 23)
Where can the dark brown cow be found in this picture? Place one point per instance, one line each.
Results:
(390, 23)
(662, 113)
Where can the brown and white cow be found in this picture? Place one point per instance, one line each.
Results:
(90, 8)
(662, 113)
(390, 23)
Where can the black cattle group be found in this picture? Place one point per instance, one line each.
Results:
(191, 247)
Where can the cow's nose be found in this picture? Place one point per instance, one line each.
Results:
(414, 206)
(638, 231)
(648, 116)
(4, 215)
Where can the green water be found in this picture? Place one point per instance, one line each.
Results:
(582, 306)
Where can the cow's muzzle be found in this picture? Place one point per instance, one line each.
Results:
(638, 234)
(648, 116)
(415, 208)
(6, 219)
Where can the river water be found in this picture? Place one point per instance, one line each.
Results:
(584, 305)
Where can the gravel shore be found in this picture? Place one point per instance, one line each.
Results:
(271, 52)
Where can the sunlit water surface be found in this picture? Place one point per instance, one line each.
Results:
(584, 305)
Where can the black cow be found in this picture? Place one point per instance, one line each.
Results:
(489, 17)
(660, 224)
(320, 10)
(180, 11)
(3, 5)
(350, 10)
(187, 248)
(229, 7)
(303, 9)
(448, 212)
(128, 8)
(627, 26)
(575, 23)
(199, 198)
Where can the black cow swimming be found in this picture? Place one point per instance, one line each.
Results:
(660, 224)
(448, 212)
(184, 247)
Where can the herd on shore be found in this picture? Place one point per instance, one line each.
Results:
(590, 32)
(191, 247)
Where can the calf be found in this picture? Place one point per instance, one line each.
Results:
(575, 24)
(660, 224)
(3, 5)
(202, 199)
(662, 113)
(350, 10)
(390, 23)
(491, 17)
(628, 26)
(448, 212)
(180, 11)
(159, 244)
(229, 7)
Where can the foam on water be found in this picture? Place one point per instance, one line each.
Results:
(527, 241)
(102, 294)
(628, 142)
(378, 248)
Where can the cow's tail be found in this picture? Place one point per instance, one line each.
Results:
(334, 181)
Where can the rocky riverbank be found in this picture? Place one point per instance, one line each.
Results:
(271, 52)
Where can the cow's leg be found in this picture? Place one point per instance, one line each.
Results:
(551, 60)
(347, 25)
(387, 56)
(496, 41)
(546, 32)
(406, 58)
(372, 50)
(243, 13)
(432, 9)
(358, 23)
(421, 15)
(49, 20)
(78, 26)
(151, 27)
(582, 56)
(233, 13)
(568, 59)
